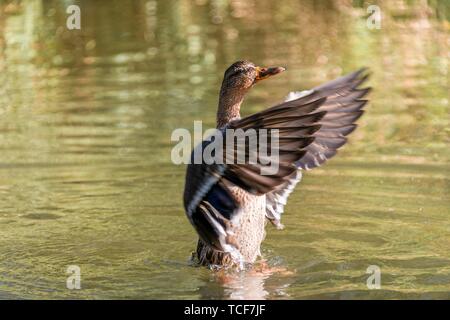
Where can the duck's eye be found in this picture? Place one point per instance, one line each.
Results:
(234, 73)
(240, 72)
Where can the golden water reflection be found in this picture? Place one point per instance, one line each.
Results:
(85, 123)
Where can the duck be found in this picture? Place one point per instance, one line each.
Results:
(229, 202)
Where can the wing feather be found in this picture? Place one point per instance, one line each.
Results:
(311, 126)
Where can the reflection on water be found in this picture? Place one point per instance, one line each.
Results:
(85, 123)
(265, 280)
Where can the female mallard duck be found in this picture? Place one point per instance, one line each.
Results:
(228, 203)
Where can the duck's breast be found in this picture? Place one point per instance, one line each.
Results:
(249, 229)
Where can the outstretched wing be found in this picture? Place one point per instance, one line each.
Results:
(310, 129)
(343, 107)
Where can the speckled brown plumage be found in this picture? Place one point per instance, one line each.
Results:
(228, 203)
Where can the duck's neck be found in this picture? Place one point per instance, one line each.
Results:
(230, 101)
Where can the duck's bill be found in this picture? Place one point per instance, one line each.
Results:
(264, 73)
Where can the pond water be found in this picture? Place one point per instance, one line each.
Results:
(86, 118)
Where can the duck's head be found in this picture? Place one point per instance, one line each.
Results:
(242, 75)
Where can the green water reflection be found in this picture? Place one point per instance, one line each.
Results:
(85, 123)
